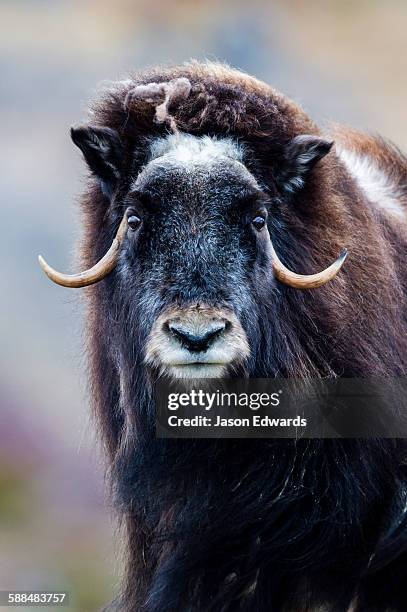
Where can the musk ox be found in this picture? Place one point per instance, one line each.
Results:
(214, 210)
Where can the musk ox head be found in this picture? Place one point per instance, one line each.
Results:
(193, 255)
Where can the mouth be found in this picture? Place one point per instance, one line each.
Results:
(196, 369)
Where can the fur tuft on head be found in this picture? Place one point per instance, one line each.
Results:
(162, 96)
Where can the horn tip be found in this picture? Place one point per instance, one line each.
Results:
(43, 264)
(343, 255)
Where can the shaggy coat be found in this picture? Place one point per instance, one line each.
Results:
(260, 525)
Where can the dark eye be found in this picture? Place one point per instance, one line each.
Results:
(259, 222)
(134, 222)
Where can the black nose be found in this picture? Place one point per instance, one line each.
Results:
(195, 342)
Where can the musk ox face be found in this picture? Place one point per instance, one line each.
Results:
(196, 255)
(194, 264)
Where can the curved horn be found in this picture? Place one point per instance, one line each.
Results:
(101, 269)
(306, 281)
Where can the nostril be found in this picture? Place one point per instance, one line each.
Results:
(194, 341)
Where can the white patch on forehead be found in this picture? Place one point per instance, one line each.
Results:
(186, 149)
(200, 155)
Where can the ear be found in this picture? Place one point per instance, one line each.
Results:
(300, 156)
(103, 152)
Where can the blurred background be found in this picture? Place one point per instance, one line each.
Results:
(344, 60)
